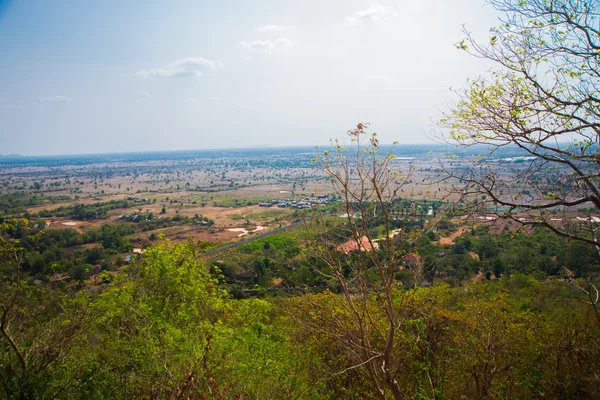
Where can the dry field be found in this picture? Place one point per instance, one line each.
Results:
(224, 189)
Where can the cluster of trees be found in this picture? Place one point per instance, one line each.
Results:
(540, 254)
(50, 252)
(173, 332)
(16, 203)
(57, 250)
(516, 338)
(83, 212)
(146, 223)
(282, 261)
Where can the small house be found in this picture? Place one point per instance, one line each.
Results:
(411, 261)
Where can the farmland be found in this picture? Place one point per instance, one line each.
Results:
(99, 211)
(224, 187)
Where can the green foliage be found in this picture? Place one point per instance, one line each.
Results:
(580, 258)
(165, 328)
(16, 202)
(542, 253)
(507, 339)
(86, 211)
(285, 245)
(172, 333)
(235, 202)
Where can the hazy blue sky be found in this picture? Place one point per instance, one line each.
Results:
(83, 76)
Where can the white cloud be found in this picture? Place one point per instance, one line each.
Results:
(145, 94)
(269, 28)
(182, 68)
(265, 46)
(374, 13)
(54, 99)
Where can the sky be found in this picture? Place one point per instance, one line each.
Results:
(80, 77)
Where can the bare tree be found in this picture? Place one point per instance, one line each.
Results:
(538, 116)
(362, 251)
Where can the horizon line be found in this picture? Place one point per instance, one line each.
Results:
(18, 155)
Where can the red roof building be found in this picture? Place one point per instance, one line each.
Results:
(354, 245)
(411, 260)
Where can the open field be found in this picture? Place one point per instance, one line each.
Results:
(203, 194)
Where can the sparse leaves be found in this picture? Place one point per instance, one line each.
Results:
(541, 102)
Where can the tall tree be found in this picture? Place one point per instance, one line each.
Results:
(362, 253)
(543, 101)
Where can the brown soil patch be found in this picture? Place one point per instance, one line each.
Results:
(450, 239)
(80, 226)
(182, 233)
(277, 282)
(479, 278)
